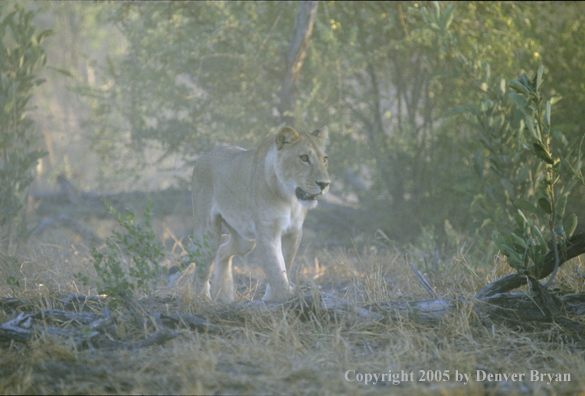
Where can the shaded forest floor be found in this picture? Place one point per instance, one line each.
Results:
(241, 349)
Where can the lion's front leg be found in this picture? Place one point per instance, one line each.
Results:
(290, 245)
(272, 262)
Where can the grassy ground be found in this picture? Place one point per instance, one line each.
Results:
(279, 353)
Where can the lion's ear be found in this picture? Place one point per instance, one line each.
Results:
(322, 134)
(285, 135)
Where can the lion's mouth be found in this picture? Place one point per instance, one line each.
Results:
(302, 195)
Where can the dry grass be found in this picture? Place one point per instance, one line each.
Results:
(278, 353)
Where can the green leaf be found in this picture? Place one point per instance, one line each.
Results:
(61, 71)
(521, 220)
(539, 74)
(467, 109)
(519, 241)
(520, 101)
(555, 98)
(518, 86)
(545, 205)
(571, 224)
(447, 16)
(561, 203)
(522, 204)
(539, 236)
(514, 258)
(530, 124)
(542, 153)
(524, 81)
(8, 106)
(508, 187)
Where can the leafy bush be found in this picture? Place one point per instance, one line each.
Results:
(143, 254)
(540, 219)
(21, 57)
(199, 256)
(131, 260)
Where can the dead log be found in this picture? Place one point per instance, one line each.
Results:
(89, 204)
(17, 329)
(89, 329)
(22, 329)
(422, 311)
(86, 328)
(66, 221)
(307, 306)
(575, 247)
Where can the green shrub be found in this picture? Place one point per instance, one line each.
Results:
(21, 58)
(131, 260)
(541, 224)
(135, 249)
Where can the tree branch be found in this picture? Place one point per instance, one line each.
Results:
(575, 247)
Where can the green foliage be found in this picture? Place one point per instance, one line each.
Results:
(199, 255)
(526, 245)
(382, 75)
(131, 261)
(12, 281)
(21, 58)
(194, 73)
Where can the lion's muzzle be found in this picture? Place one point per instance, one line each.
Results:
(302, 195)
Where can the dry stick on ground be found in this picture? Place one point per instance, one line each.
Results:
(424, 282)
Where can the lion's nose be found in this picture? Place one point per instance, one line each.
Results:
(323, 185)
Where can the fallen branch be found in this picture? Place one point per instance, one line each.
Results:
(86, 328)
(21, 329)
(66, 221)
(316, 304)
(575, 247)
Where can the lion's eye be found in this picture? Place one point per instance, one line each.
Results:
(305, 158)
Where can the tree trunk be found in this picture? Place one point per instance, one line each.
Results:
(297, 50)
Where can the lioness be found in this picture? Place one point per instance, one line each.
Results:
(261, 198)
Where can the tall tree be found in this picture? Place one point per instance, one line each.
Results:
(297, 51)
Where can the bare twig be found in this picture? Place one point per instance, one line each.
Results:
(424, 282)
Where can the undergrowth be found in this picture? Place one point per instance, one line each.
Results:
(278, 352)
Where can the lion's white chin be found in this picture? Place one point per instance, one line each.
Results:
(308, 204)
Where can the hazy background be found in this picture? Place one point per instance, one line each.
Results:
(143, 88)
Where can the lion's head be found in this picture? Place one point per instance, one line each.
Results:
(301, 164)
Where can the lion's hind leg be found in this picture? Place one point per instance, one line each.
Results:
(203, 269)
(232, 244)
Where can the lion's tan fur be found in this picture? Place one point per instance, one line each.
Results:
(253, 195)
